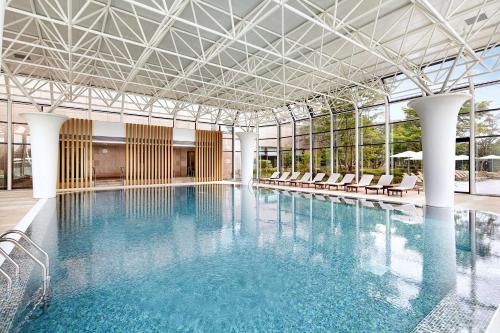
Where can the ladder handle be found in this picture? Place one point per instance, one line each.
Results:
(9, 259)
(29, 240)
(46, 277)
(9, 280)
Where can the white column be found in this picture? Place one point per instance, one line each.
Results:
(438, 118)
(248, 145)
(44, 130)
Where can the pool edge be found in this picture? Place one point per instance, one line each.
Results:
(23, 224)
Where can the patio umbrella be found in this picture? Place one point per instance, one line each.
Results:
(406, 154)
(489, 157)
(461, 158)
(417, 157)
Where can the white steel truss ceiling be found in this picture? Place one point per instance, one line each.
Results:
(235, 59)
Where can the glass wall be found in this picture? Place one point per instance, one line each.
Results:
(344, 140)
(462, 150)
(21, 147)
(372, 141)
(286, 131)
(237, 154)
(321, 144)
(227, 151)
(268, 154)
(405, 135)
(487, 140)
(302, 144)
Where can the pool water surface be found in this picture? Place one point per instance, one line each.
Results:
(220, 258)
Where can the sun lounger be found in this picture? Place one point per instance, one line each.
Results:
(334, 177)
(382, 184)
(294, 176)
(284, 176)
(364, 181)
(348, 178)
(407, 184)
(318, 178)
(305, 178)
(275, 175)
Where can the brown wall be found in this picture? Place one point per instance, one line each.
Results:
(180, 161)
(107, 165)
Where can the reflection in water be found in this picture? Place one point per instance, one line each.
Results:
(204, 256)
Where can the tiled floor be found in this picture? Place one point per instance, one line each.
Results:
(13, 206)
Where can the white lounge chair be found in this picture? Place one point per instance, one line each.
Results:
(334, 177)
(284, 176)
(275, 175)
(319, 177)
(305, 178)
(407, 184)
(348, 178)
(382, 184)
(364, 181)
(293, 177)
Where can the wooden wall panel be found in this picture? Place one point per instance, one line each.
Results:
(75, 154)
(208, 156)
(148, 155)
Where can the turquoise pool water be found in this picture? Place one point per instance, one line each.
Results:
(220, 258)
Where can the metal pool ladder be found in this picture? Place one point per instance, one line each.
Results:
(44, 265)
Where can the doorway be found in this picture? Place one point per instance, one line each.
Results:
(183, 163)
(109, 164)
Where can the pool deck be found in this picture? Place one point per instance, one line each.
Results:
(16, 204)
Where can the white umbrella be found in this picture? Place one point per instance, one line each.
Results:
(461, 158)
(417, 157)
(489, 157)
(405, 154)
(409, 154)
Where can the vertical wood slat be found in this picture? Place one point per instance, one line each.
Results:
(148, 154)
(208, 155)
(75, 154)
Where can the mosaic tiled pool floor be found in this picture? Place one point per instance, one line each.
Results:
(455, 314)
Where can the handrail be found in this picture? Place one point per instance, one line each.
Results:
(30, 241)
(46, 277)
(9, 259)
(9, 280)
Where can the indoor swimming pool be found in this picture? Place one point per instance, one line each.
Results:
(224, 258)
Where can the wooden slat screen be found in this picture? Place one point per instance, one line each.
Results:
(148, 154)
(75, 154)
(208, 156)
